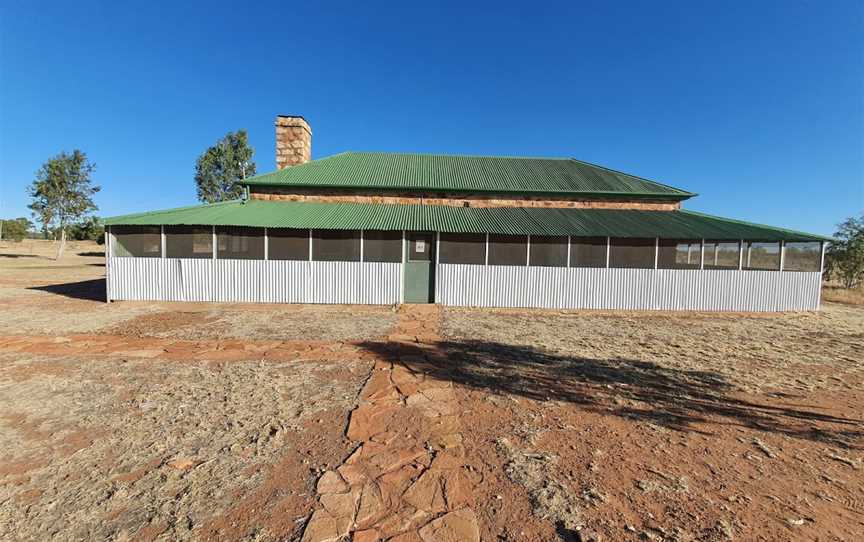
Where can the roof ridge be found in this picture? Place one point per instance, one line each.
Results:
(447, 155)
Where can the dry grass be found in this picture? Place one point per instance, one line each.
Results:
(836, 294)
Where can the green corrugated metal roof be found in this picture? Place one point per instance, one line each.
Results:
(532, 221)
(490, 174)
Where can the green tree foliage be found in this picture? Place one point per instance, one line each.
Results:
(223, 165)
(846, 255)
(90, 229)
(63, 193)
(15, 229)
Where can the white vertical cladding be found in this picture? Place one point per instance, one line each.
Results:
(193, 278)
(135, 278)
(254, 281)
(242, 281)
(372, 283)
(637, 289)
(174, 279)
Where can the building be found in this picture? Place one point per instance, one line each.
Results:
(380, 228)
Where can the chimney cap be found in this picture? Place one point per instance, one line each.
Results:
(303, 123)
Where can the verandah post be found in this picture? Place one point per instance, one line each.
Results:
(608, 250)
(782, 254)
(486, 260)
(568, 251)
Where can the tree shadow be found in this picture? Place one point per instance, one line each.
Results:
(682, 400)
(87, 290)
(24, 256)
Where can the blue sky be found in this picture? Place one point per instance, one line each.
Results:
(757, 106)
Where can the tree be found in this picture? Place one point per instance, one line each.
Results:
(221, 166)
(846, 255)
(15, 229)
(90, 229)
(62, 193)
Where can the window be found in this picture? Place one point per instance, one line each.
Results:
(508, 249)
(721, 255)
(588, 252)
(679, 254)
(802, 257)
(285, 244)
(761, 256)
(548, 251)
(238, 243)
(188, 241)
(632, 253)
(382, 246)
(336, 245)
(137, 241)
(462, 248)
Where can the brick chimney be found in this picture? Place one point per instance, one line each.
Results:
(293, 141)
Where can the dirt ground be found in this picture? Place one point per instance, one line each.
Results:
(161, 421)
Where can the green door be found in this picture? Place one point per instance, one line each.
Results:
(420, 268)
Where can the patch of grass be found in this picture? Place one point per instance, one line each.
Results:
(837, 294)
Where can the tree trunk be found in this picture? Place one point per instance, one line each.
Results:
(62, 244)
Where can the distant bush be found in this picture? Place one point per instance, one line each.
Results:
(845, 257)
(15, 229)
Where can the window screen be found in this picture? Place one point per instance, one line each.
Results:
(679, 254)
(336, 245)
(802, 257)
(721, 255)
(588, 252)
(508, 249)
(188, 241)
(137, 241)
(548, 251)
(632, 253)
(285, 244)
(761, 256)
(237, 243)
(382, 246)
(421, 246)
(462, 248)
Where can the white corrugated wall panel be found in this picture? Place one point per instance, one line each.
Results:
(253, 281)
(638, 289)
(135, 278)
(371, 283)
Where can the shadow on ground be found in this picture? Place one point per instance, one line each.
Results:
(88, 290)
(36, 256)
(682, 400)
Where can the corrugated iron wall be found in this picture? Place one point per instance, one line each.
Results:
(633, 289)
(258, 281)
(253, 281)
